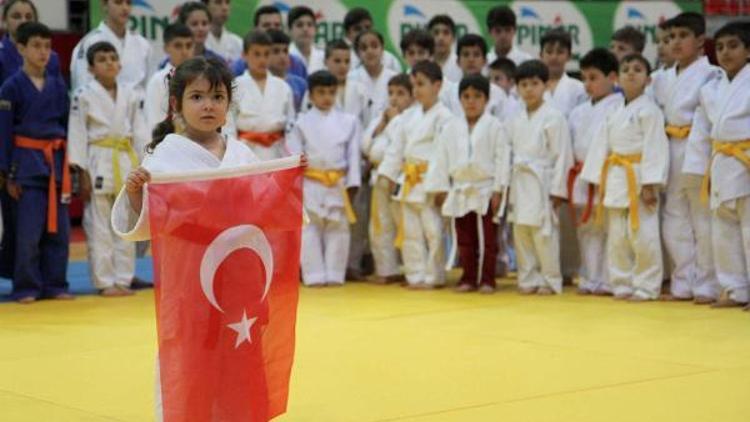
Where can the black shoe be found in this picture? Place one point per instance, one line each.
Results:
(139, 284)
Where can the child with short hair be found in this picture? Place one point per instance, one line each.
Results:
(383, 210)
(265, 105)
(599, 71)
(467, 175)
(722, 124)
(501, 24)
(278, 64)
(472, 53)
(563, 92)
(219, 39)
(301, 21)
(417, 45)
(178, 44)
(33, 126)
(372, 74)
(196, 16)
(15, 13)
(659, 77)
(629, 161)
(443, 30)
(406, 162)
(627, 40)
(350, 95)
(687, 221)
(330, 138)
(540, 145)
(502, 74)
(106, 133)
(356, 21)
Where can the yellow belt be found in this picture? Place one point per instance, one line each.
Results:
(412, 177)
(678, 132)
(330, 178)
(119, 145)
(626, 161)
(732, 149)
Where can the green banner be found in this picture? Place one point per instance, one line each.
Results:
(590, 23)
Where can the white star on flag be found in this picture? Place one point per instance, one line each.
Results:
(243, 329)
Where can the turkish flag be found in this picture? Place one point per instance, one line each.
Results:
(226, 249)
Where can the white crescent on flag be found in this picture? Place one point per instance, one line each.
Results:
(230, 240)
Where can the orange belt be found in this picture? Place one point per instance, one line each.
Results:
(263, 138)
(573, 174)
(48, 147)
(679, 133)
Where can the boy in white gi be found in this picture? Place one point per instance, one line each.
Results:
(599, 71)
(722, 125)
(443, 30)
(330, 139)
(406, 162)
(542, 156)
(265, 105)
(629, 160)
(220, 40)
(687, 221)
(384, 214)
(563, 91)
(106, 133)
(467, 175)
(302, 28)
(178, 44)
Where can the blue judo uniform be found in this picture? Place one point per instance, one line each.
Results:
(41, 255)
(11, 60)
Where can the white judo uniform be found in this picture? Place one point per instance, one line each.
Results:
(376, 90)
(134, 52)
(451, 70)
(541, 156)
(406, 162)
(156, 103)
(261, 114)
(585, 121)
(390, 61)
(315, 62)
(721, 132)
(106, 138)
(568, 94)
(228, 45)
(687, 222)
(331, 141)
(515, 54)
(632, 138)
(175, 154)
(384, 211)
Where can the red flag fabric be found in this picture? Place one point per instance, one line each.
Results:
(226, 249)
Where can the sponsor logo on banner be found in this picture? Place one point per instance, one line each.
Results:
(534, 18)
(150, 17)
(645, 16)
(329, 15)
(405, 15)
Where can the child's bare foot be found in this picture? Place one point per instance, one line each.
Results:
(703, 300)
(111, 292)
(582, 291)
(672, 298)
(545, 291)
(26, 300)
(398, 278)
(379, 280)
(334, 284)
(638, 299)
(464, 288)
(63, 296)
(486, 289)
(527, 290)
(423, 286)
(126, 291)
(726, 302)
(623, 296)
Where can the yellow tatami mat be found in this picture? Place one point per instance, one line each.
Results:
(373, 353)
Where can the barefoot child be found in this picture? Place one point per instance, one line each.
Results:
(629, 161)
(331, 139)
(106, 135)
(541, 150)
(467, 177)
(34, 110)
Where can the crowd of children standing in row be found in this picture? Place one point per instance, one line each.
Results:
(639, 156)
